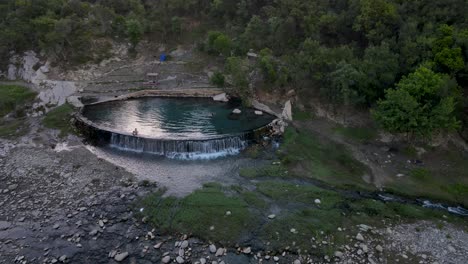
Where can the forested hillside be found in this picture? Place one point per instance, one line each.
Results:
(407, 60)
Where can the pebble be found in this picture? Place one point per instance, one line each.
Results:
(272, 216)
(203, 261)
(63, 258)
(338, 254)
(180, 260)
(228, 213)
(317, 201)
(219, 252)
(101, 223)
(93, 232)
(158, 245)
(112, 253)
(212, 248)
(121, 256)
(184, 244)
(364, 247)
(166, 259)
(275, 258)
(379, 248)
(359, 237)
(297, 261)
(247, 250)
(56, 226)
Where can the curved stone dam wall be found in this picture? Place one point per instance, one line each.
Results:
(182, 128)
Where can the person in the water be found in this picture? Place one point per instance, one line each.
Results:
(135, 132)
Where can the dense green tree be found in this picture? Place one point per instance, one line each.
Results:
(223, 45)
(380, 65)
(377, 19)
(423, 103)
(134, 32)
(447, 54)
(238, 70)
(344, 82)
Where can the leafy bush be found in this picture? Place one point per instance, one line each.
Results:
(217, 79)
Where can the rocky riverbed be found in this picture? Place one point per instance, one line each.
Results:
(65, 205)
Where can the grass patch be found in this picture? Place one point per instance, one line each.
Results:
(199, 211)
(372, 208)
(13, 96)
(59, 118)
(322, 159)
(298, 218)
(13, 129)
(300, 115)
(359, 134)
(444, 177)
(253, 199)
(283, 192)
(273, 171)
(420, 174)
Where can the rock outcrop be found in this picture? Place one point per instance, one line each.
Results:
(221, 97)
(287, 111)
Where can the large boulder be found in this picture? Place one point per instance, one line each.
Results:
(287, 111)
(221, 97)
(264, 108)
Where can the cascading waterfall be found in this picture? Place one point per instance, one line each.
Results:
(181, 149)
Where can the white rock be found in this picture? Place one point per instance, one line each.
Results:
(221, 98)
(212, 248)
(202, 261)
(364, 247)
(45, 68)
(257, 112)
(12, 72)
(275, 258)
(287, 111)
(338, 254)
(236, 111)
(166, 259)
(184, 244)
(180, 259)
(379, 248)
(158, 245)
(272, 216)
(317, 201)
(228, 213)
(63, 258)
(219, 252)
(121, 256)
(247, 250)
(297, 261)
(359, 237)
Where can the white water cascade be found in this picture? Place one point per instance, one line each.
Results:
(181, 149)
